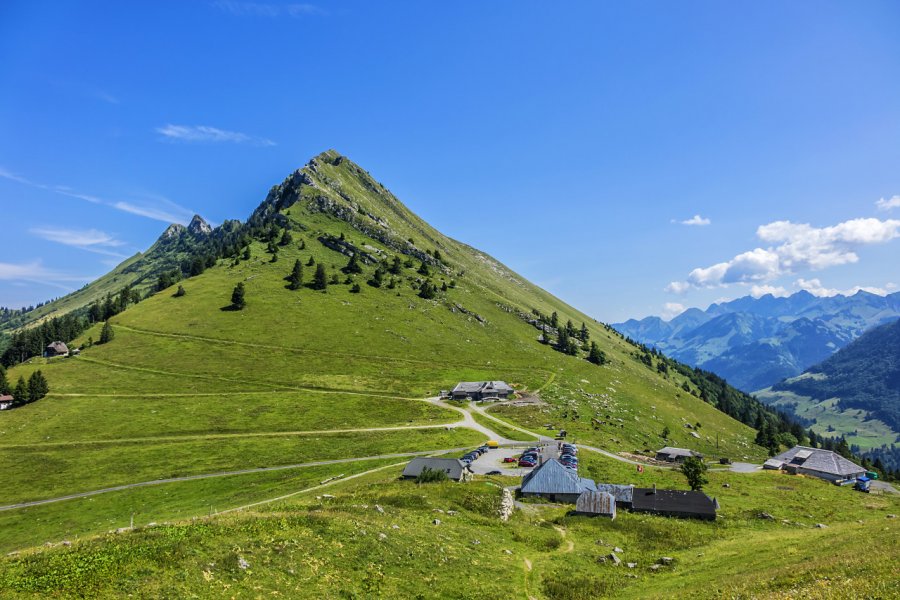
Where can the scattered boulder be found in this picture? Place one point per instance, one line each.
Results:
(631, 565)
(507, 505)
(617, 549)
(695, 434)
(66, 543)
(891, 517)
(766, 516)
(726, 485)
(438, 510)
(436, 522)
(666, 560)
(655, 567)
(821, 526)
(395, 527)
(379, 509)
(615, 559)
(382, 536)
(243, 564)
(452, 512)
(507, 551)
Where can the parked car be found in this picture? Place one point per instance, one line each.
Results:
(494, 473)
(510, 459)
(524, 462)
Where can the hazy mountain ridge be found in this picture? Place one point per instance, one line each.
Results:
(755, 342)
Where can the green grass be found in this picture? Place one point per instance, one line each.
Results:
(310, 546)
(507, 432)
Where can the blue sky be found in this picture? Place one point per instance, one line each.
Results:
(640, 157)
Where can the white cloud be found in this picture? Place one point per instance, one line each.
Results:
(672, 309)
(263, 9)
(151, 206)
(758, 291)
(678, 287)
(893, 202)
(204, 133)
(815, 287)
(696, 220)
(794, 247)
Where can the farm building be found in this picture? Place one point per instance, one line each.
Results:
(623, 494)
(670, 454)
(824, 464)
(453, 467)
(56, 349)
(6, 401)
(556, 483)
(596, 504)
(674, 503)
(481, 390)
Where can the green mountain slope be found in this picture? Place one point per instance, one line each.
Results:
(195, 407)
(855, 393)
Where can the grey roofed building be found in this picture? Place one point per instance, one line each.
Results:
(622, 493)
(824, 464)
(556, 483)
(670, 454)
(56, 349)
(596, 504)
(674, 503)
(481, 390)
(453, 467)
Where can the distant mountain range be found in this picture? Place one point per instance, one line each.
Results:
(756, 342)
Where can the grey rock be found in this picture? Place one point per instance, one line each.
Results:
(821, 526)
(615, 559)
(654, 567)
(666, 560)
(379, 509)
(242, 563)
(617, 549)
(436, 522)
(767, 516)
(382, 536)
(631, 565)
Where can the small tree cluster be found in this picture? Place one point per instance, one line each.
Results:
(24, 392)
(694, 469)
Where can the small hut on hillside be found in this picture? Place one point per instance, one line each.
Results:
(56, 349)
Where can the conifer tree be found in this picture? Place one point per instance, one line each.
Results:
(179, 292)
(596, 355)
(247, 254)
(286, 238)
(303, 244)
(395, 266)
(554, 320)
(424, 270)
(377, 278)
(355, 289)
(295, 279)
(352, 266)
(37, 386)
(427, 291)
(20, 392)
(320, 280)
(585, 335)
(238, 301)
(444, 286)
(106, 334)
(311, 262)
(4, 382)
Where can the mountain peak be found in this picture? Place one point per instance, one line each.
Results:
(199, 226)
(173, 231)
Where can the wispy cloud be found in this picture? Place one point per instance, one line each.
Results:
(35, 272)
(888, 204)
(206, 134)
(795, 247)
(92, 240)
(265, 9)
(151, 206)
(696, 221)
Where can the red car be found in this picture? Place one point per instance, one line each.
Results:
(527, 463)
(509, 459)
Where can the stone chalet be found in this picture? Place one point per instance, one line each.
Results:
(823, 464)
(481, 390)
(56, 349)
(6, 401)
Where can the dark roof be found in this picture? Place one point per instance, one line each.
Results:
(453, 467)
(816, 459)
(673, 501)
(622, 493)
(553, 478)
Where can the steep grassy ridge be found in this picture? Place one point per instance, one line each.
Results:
(184, 380)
